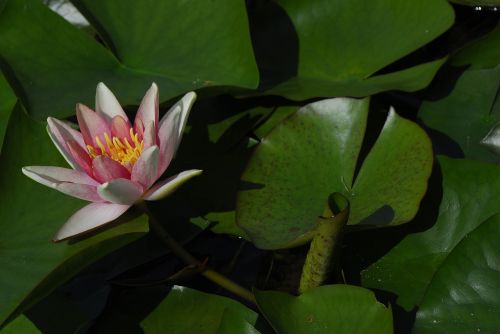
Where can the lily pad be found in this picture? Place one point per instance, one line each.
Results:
(20, 325)
(326, 309)
(312, 154)
(342, 45)
(462, 118)
(30, 214)
(471, 194)
(145, 43)
(464, 294)
(187, 311)
(7, 102)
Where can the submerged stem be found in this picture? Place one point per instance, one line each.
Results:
(322, 251)
(185, 256)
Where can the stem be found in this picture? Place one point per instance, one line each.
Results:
(322, 252)
(185, 256)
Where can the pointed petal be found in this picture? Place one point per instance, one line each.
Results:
(120, 191)
(60, 133)
(168, 139)
(168, 186)
(106, 169)
(70, 182)
(120, 128)
(145, 170)
(107, 105)
(171, 128)
(91, 124)
(80, 156)
(89, 218)
(148, 110)
(149, 136)
(48, 175)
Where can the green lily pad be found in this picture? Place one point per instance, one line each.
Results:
(342, 45)
(481, 54)
(463, 117)
(20, 325)
(187, 311)
(312, 154)
(326, 309)
(464, 294)
(7, 102)
(30, 214)
(471, 194)
(467, 114)
(179, 48)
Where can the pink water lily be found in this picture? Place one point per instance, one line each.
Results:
(115, 163)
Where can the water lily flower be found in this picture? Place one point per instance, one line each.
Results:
(115, 164)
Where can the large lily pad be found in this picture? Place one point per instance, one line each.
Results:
(179, 48)
(30, 214)
(326, 309)
(342, 44)
(464, 294)
(312, 154)
(471, 194)
(185, 310)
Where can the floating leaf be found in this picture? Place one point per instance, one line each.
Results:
(464, 294)
(20, 325)
(471, 194)
(312, 154)
(167, 42)
(326, 309)
(340, 46)
(7, 102)
(185, 310)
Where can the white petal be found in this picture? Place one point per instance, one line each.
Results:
(51, 175)
(120, 191)
(106, 103)
(89, 218)
(168, 186)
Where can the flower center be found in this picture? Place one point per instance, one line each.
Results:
(120, 150)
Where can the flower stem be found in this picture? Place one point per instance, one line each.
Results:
(190, 260)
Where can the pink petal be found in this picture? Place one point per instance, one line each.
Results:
(145, 170)
(171, 128)
(80, 156)
(70, 182)
(120, 191)
(106, 169)
(60, 133)
(168, 186)
(89, 218)
(107, 105)
(92, 125)
(148, 110)
(168, 139)
(120, 128)
(149, 136)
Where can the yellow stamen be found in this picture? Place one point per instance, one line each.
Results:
(118, 149)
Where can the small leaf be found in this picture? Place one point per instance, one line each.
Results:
(326, 309)
(185, 310)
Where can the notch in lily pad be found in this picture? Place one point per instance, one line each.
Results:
(314, 153)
